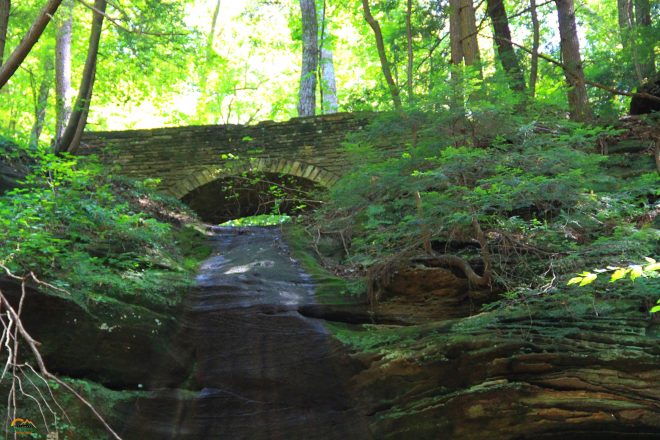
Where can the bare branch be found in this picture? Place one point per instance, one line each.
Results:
(16, 324)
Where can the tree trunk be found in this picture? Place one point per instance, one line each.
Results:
(330, 104)
(536, 43)
(71, 137)
(29, 40)
(464, 46)
(211, 37)
(409, 71)
(455, 32)
(310, 57)
(469, 33)
(5, 6)
(384, 63)
(63, 90)
(627, 32)
(570, 52)
(625, 13)
(646, 49)
(204, 67)
(456, 98)
(497, 14)
(41, 103)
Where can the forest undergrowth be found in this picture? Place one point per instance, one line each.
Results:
(518, 203)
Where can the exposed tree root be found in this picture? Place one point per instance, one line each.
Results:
(380, 275)
(459, 263)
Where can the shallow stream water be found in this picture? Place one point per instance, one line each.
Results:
(261, 370)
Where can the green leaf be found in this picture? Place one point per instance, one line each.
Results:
(650, 260)
(588, 279)
(574, 280)
(618, 274)
(655, 309)
(636, 271)
(652, 267)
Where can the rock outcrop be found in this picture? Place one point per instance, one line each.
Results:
(539, 368)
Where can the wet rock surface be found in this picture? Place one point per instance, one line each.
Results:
(261, 369)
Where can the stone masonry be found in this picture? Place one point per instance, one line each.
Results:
(185, 158)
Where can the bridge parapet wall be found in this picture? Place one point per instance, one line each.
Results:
(185, 158)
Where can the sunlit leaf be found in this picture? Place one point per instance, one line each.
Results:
(652, 267)
(636, 271)
(588, 279)
(618, 274)
(574, 280)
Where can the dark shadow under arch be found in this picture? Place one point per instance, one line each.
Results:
(252, 193)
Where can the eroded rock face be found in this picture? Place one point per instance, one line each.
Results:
(13, 166)
(422, 294)
(114, 344)
(538, 372)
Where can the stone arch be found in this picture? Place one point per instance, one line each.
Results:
(280, 166)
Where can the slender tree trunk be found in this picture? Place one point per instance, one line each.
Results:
(627, 32)
(204, 67)
(536, 43)
(384, 63)
(570, 52)
(29, 40)
(63, 90)
(209, 46)
(77, 135)
(71, 137)
(321, 48)
(330, 104)
(5, 6)
(41, 103)
(508, 58)
(646, 51)
(409, 40)
(625, 13)
(457, 96)
(310, 58)
(211, 37)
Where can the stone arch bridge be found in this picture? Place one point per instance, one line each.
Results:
(187, 158)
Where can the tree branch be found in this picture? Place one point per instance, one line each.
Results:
(591, 83)
(14, 317)
(19, 54)
(115, 22)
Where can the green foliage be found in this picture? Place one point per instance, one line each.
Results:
(537, 186)
(73, 223)
(259, 220)
(632, 272)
